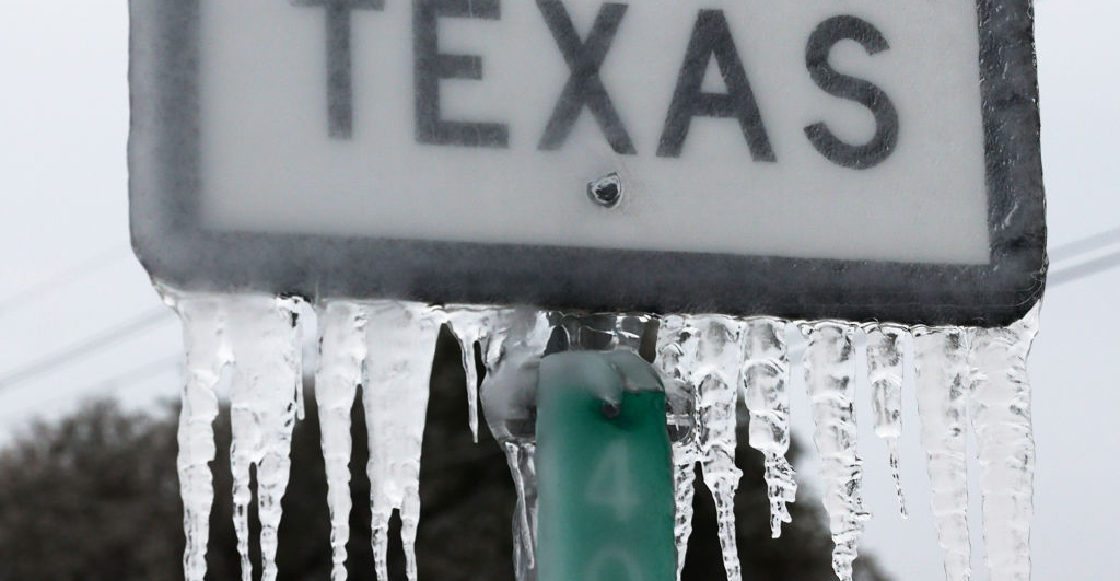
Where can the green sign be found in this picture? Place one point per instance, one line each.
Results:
(604, 468)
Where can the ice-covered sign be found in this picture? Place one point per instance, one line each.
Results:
(810, 159)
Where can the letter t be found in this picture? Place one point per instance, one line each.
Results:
(340, 92)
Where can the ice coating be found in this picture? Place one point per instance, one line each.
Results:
(1001, 418)
(400, 342)
(521, 458)
(719, 351)
(387, 346)
(884, 372)
(676, 348)
(705, 353)
(714, 372)
(207, 356)
(684, 489)
(342, 351)
(471, 324)
(943, 382)
(829, 369)
(518, 337)
(264, 339)
(765, 378)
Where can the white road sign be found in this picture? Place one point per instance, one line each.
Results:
(862, 159)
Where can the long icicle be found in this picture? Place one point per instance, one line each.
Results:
(1001, 418)
(516, 338)
(342, 351)
(716, 373)
(884, 372)
(676, 353)
(265, 341)
(521, 458)
(943, 383)
(400, 343)
(207, 356)
(765, 379)
(829, 369)
(470, 325)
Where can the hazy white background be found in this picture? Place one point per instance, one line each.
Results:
(66, 274)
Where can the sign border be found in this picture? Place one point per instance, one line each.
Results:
(163, 160)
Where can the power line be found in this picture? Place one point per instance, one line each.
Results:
(159, 314)
(66, 277)
(1088, 268)
(136, 374)
(1084, 270)
(128, 378)
(91, 345)
(1085, 245)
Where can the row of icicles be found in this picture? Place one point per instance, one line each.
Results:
(251, 346)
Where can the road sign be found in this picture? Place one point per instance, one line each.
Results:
(604, 469)
(875, 160)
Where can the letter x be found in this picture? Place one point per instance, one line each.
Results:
(340, 92)
(584, 86)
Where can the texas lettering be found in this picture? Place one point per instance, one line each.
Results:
(711, 40)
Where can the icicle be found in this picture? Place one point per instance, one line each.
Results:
(943, 382)
(1000, 411)
(829, 369)
(521, 458)
(884, 372)
(704, 352)
(400, 343)
(342, 349)
(207, 357)
(676, 352)
(264, 338)
(716, 375)
(518, 338)
(684, 485)
(472, 325)
(517, 335)
(765, 378)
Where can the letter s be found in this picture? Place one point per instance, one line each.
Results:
(827, 35)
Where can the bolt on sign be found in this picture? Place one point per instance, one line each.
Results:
(811, 159)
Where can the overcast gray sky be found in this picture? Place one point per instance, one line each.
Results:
(64, 121)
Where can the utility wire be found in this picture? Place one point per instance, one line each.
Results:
(66, 277)
(1085, 245)
(1084, 270)
(136, 374)
(1077, 248)
(160, 314)
(125, 379)
(93, 344)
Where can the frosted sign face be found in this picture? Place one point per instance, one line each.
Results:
(804, 159)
